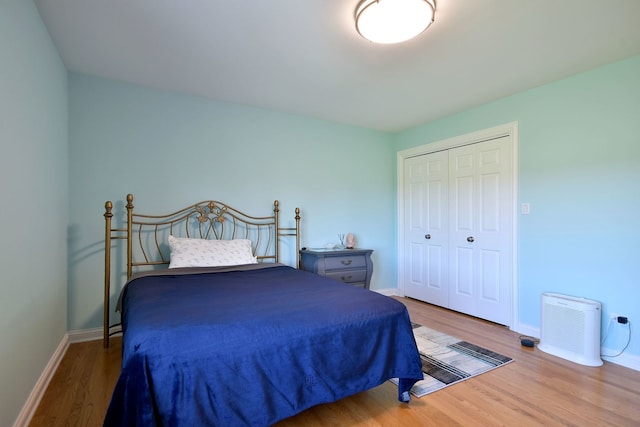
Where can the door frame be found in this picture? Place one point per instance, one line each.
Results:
(509, 129)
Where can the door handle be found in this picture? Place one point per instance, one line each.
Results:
(470, 239)
(427, 236)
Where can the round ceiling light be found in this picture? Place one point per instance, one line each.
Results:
(393, 21)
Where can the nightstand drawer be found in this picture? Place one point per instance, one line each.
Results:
(348, 276)
(342, 262)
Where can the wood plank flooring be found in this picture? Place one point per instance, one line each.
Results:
(537, 389)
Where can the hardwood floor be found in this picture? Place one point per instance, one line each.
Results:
(537, 389)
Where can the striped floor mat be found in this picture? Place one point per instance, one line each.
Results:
(446, 360)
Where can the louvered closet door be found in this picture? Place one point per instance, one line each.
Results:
(480, 230)
(427, 228)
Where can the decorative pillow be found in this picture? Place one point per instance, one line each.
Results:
(187, 252)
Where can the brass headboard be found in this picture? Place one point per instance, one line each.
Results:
(146, 237)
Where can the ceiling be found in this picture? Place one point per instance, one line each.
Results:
(304, 56)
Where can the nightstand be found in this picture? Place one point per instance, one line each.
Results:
(352, 266)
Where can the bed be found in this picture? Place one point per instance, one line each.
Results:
(217, 331)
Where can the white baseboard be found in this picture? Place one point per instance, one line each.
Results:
(628, 361)
(85, 335)
(30, 406)
(527, 330)
(390, 292)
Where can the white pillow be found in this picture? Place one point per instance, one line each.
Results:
(187, 252)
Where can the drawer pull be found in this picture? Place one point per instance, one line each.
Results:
(345, 261)
(346, 279)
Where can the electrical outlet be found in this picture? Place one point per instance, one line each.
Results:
(614, 317)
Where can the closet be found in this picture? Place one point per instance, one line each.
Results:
(458, 225)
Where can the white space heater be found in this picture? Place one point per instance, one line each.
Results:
(570, 328)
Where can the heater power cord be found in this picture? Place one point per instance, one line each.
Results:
(625, 346)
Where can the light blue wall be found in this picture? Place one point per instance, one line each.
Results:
(579, 165)
(579, 169)
(34, 200)
(171, 150)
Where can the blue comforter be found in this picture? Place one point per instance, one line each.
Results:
(252, 347)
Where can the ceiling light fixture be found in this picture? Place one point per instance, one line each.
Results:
(393, 21)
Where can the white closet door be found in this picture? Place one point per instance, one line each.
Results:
(480, 230)
(458, 229)
(427, 228)
(462, 165)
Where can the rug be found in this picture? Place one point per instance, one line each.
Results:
(446, 360)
